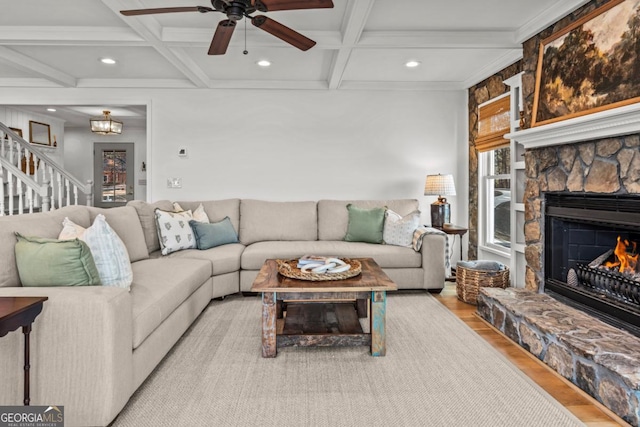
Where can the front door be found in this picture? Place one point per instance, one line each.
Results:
(112, 174)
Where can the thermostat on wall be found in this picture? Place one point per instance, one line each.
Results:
(182, 152)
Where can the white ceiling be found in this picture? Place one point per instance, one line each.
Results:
(361, 44)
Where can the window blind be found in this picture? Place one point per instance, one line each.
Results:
(494, 120)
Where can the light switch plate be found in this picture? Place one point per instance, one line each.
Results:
(174, 182)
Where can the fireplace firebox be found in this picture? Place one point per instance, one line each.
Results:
(591, 254)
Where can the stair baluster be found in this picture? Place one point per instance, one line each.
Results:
(10, 180)
(31, 180)
(1, 189)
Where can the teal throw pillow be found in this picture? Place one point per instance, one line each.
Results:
(51, 262)
(210, 235)
(365, 225)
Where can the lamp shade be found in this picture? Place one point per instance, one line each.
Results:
(106, 125)
(439, 185)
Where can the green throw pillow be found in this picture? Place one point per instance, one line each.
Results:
(210, 235)
(365, 225)
(51, 262)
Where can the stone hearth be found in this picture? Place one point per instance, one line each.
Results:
(602, 360)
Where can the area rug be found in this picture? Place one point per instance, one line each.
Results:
(437, 372)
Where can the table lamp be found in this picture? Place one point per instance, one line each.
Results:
(440, 185)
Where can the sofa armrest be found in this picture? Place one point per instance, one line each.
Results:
(81, 353)
(433, 260)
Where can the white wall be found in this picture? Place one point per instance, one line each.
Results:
(78, 153)
(19, 119)
(289, 144)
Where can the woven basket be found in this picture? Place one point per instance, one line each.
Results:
(469, 281)
(288, 268)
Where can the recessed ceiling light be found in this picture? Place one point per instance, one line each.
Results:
(263, 63)
(412, 64)
(53, 110)
(108, 61)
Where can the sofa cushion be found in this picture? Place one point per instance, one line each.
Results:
(174, 231)
(159, 287)
(224, 259)
(269, 221)
(217, 210)
(398, 229)
(333, 216)
(147, 219)
(365, 225)
(108, 250)
(210, 235)
(42, 224)
(52, 262)
(386, 256)
(125, 222)
(198, 213)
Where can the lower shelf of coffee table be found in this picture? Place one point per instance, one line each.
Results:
(321, 324)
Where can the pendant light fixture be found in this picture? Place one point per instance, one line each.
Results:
(106, 125)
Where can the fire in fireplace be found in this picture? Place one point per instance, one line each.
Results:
(625, 262)
(591, 255)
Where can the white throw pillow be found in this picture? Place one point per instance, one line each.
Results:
(108, 251)
(174, 231)
(198, 215)
(398, 230)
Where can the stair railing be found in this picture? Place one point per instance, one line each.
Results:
(34, 179)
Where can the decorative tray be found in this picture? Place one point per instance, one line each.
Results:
(289, 268)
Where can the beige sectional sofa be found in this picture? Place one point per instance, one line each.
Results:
(92, 347)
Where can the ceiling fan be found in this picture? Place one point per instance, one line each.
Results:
(237, 9)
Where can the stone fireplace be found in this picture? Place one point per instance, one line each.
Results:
(582, 191)
(608, 166)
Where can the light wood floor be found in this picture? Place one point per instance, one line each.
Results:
(583, 406)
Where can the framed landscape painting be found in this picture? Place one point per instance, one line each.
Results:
(592, 65)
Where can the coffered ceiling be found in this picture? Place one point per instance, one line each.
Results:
(361, 44)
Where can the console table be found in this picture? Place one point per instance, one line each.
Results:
(18, 312)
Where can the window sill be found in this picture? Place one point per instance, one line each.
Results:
(496, 249)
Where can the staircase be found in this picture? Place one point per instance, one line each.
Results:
(30, 181)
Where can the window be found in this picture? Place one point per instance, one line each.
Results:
(494, 173)
(496, 187)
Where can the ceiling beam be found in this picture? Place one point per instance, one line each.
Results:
(191, 37)
(30, 65)
(149, 29)
(69, 36)
(352, 28)
(454, 39)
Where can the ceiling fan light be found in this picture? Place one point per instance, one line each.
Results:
(106, 125)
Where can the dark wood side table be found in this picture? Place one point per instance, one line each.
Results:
(454, 230)
(18, 312)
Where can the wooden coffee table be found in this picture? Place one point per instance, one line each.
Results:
(324, 313)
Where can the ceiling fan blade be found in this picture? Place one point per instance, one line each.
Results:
(222, 37)
(273, 5)
(283, 32)
(135, 12)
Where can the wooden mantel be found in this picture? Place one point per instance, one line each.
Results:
(604, 124)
